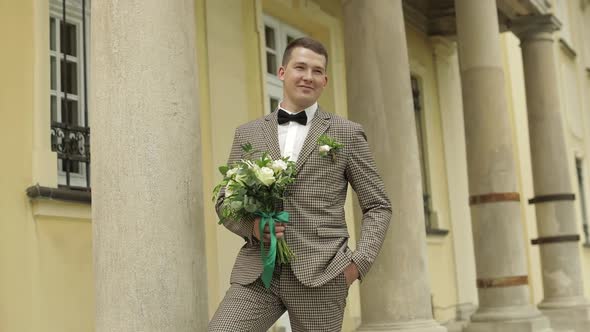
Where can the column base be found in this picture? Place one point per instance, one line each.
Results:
(456, 326)
(509, 319)
(411, 326)
(563, 317)
(464, 312)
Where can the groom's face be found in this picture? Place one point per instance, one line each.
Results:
(304, 77)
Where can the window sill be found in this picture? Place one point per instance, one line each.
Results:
(436, 235)
(438, 232)
(567, 48)
(59, 203)
(60, 194)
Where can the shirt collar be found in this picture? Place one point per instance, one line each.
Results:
(310, 111)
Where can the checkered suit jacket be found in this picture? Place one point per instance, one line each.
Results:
(317, 231)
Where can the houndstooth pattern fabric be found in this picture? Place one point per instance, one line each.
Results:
(317, 232)
(254, 308)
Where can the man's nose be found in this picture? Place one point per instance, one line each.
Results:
(307, 75)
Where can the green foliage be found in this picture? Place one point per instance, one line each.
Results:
(329, 141)
(333, 145)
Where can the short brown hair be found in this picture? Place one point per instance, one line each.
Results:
(305, 42)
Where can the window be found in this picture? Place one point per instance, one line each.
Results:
(277, 36)
(582, 199)
(421, 132)
(70, 135)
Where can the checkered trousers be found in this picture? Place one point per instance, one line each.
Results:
(255, 308)
(317, 232)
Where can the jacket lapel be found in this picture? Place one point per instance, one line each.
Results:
(271, 135)
(319, 125)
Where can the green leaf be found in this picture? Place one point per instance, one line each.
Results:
(223, 169)
(247, 147)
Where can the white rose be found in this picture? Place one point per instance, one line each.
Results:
(325, 148)
(236, 205)
(241, 178)
(265, 175)
(231, 172)
(278, 165)
(228, 191)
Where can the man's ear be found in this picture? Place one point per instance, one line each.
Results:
(281, 73)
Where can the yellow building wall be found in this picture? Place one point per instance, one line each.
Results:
(441, 262)
(16, 245)
(574, 84)
(45, 247)
(586, 152)
(585, 88)
(64, 276)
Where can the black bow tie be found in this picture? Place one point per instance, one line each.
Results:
(285, 117)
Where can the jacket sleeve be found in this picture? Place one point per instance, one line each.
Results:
(244, 227)
(362, 175)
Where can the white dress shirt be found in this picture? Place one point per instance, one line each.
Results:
(292, 134)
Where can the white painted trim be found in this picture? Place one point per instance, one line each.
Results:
(48, 208)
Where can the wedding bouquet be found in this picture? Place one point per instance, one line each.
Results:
(253, 187)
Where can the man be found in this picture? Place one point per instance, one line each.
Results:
(314, 286)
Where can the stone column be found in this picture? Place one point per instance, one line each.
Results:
(564, 302)
(395, 295)
(148, 235)
(501, 263)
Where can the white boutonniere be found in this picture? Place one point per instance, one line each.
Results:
(328, 146)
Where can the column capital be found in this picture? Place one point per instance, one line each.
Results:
(527, 26)
(443, 47)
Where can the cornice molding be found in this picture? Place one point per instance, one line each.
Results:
(527, 26)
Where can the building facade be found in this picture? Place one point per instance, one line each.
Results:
(117, 115)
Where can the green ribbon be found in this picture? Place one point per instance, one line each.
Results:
(269, 258)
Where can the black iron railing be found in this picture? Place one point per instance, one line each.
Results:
(72, 144)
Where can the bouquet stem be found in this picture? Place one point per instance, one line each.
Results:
(285, 255)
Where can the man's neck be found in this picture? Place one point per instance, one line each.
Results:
(292, 108)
